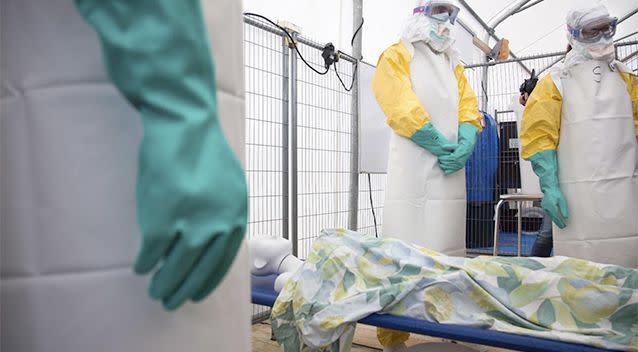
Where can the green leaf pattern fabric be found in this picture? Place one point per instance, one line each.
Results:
(348, 276)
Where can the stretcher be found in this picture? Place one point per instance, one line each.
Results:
(264, 294)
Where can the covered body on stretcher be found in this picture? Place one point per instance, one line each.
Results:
(528, 304)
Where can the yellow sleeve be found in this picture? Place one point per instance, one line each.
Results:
(632, 87)
(468, 103)
(540, 126)
(393, 89)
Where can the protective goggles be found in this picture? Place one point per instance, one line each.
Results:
(594, 30)
(439, 11)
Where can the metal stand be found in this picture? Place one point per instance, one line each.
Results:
(518, 198)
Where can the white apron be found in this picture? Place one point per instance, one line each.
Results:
(69, 165)
(598, 166)
(422, 205)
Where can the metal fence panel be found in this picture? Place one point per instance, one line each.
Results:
(323, 149)
(266, 79)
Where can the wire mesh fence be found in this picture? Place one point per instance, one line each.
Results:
(323, 146)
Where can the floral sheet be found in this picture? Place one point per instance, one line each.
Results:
(348, 276)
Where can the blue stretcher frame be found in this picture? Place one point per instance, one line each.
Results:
(265, 295)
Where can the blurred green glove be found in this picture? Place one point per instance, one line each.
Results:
(545, 165)
(468, 135)
(429, 138)
(191, 189)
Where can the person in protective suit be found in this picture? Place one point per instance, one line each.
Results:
(422, 89)
(579, 131)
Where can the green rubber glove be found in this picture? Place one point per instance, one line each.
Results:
(191, 189)
(429, 138)
(468, 135)
(545, 165)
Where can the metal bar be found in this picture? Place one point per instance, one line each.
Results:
(528, 6)
(484, 87)
(285, 84)
(507, 14)
(496, 221)
(478, 18)
(293, 150)
(465, 26)
(629, 14)
(519, 225)
(625, 37)
(264, 26)
(628, 57)
(526, 58)
(632, 42)
(261, 317)
(353, 199)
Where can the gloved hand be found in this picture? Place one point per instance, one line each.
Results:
(545, 165)
(468, 135)
(191, 189)
(429, 138)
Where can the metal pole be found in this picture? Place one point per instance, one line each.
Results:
(528, 6)
(512, 10)
(294, 235)
(519, 226)
(285, 171)
(484, 82)
(629, 14)
(353, 203)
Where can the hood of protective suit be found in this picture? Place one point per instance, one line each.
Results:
(602, 50)
(439, 35)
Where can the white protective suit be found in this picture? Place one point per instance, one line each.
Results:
(587, 110)
(423, 206)
(598, 166)
(416, 85)
(69, 147)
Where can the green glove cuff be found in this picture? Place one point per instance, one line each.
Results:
(468, 134)
(545, 166)
(429, 138)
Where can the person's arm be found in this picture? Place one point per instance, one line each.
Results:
(404, 112)
(540, 131)
(632, 88)
(540, 126)
(191, 188)
(468, 103)
(393, 89)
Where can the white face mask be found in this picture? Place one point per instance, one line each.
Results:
(440, 35)
(600, 50)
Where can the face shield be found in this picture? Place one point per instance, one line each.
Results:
(594, 30)
(440, 11)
